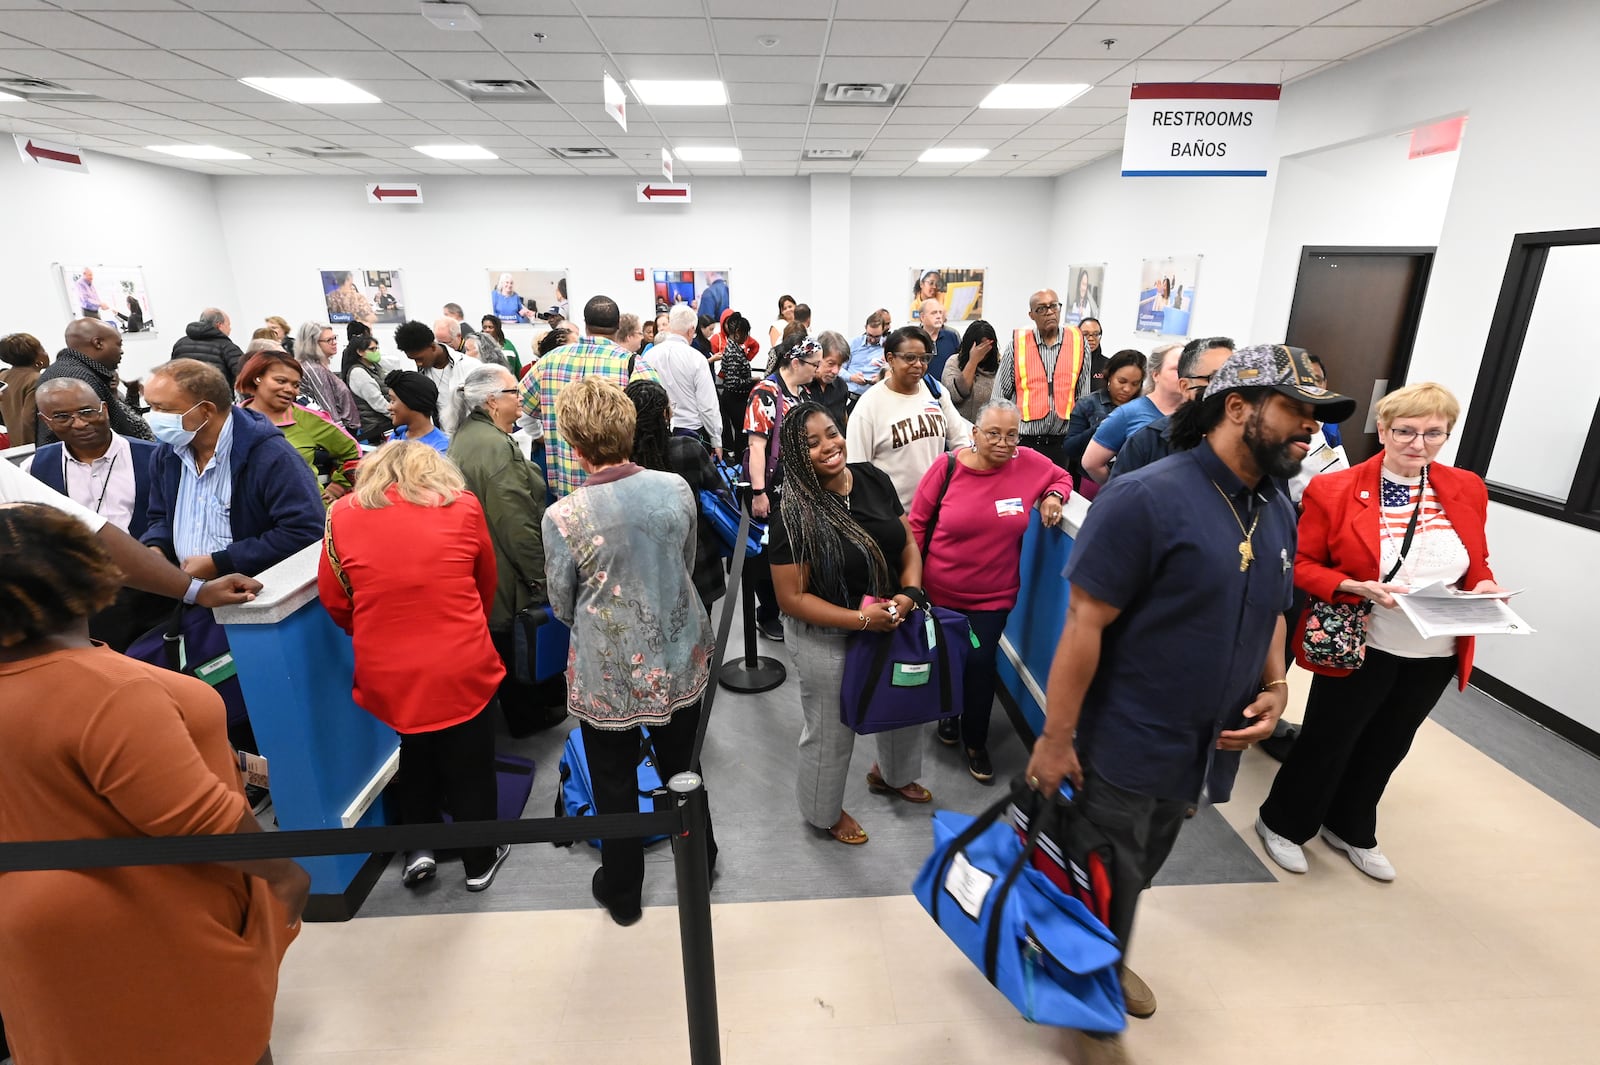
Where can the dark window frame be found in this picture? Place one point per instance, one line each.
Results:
(1497, 372)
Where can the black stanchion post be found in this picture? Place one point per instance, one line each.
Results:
(690, 857)
(752, 673)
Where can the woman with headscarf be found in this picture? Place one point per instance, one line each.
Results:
(843, 561)
(414, 409)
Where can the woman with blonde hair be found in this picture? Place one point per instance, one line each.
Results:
(409, 544)
(618, 557)
(1398, 522)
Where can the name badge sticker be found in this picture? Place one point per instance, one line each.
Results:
(1006, 508)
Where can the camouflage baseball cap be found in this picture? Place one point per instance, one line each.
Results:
(1282, 369)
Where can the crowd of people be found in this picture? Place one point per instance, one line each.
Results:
(896, 471)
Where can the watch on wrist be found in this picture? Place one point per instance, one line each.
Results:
(190, 596)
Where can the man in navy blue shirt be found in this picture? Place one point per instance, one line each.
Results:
(1173, 646)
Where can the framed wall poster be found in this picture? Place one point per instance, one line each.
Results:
(704, 290)
(522, 296)
(369, 296)
(1167, 292)
(960, 289)
(114, 294)
(1082, 298)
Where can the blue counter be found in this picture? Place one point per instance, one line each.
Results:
(329, 759)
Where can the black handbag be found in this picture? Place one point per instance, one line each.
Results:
(539, 644)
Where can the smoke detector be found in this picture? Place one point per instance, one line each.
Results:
(860, 93)
(449, 16)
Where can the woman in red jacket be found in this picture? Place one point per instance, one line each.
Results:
(409, 572)
(1359, 723)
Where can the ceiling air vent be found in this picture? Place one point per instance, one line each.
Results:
(329, 151)
(860, 93)
(833, 154)
(583, 153)
(495, 90)
(38, 90)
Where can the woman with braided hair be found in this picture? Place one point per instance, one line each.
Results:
(94, 745)
(843, 560)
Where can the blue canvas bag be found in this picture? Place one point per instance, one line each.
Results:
(1038, 946)
(575, 797)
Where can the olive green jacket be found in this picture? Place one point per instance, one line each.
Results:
(512, 494)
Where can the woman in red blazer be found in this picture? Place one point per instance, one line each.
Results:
(408, 570)
(1359, 723)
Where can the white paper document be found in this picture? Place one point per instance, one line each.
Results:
(1439, 610)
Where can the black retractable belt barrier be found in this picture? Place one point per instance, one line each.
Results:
(753, 673)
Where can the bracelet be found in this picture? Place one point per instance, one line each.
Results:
(758, 491)
(863, 618)
(1275, 683)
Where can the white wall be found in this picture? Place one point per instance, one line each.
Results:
(1521, 71)
(121, 213)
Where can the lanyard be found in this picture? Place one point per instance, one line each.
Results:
(105, 486)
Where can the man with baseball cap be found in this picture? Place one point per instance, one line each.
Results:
(1171, 659)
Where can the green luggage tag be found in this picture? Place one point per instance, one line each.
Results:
(912, 674)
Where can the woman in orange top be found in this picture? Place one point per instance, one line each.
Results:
(140, 965)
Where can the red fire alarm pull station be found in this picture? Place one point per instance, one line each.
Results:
(638, 273)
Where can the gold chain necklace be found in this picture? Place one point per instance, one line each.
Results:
(1247, 553)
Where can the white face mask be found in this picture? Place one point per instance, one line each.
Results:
(168, 428)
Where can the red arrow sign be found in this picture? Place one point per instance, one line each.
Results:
(651, 192)
(39, 153)
(380, 192)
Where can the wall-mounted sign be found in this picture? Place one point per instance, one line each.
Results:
(663, 192)
(394, 192)
(1200, 130)
(47, 153)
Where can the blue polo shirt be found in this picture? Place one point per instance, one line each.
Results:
(1185, 656)
(1124, 422)
(946, 344)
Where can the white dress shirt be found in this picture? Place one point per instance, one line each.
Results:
(18, 486)
(686, 375)
(448, 378)
(104, 485)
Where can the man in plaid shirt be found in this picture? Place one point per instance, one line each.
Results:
(596, 355)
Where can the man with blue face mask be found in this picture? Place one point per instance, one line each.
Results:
(228, 492)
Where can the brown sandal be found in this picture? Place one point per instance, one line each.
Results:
(912, 792)
(849, 839)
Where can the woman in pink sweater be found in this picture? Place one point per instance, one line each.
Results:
(969, 516)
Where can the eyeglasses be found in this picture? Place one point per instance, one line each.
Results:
(1432, 436)
(67, 417)
(995, 436)
(1041, 308)
(813, 363)
(923, 359)
(508, 392)
(1090, 336)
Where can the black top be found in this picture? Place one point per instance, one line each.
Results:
(836, 397)
(1185, 655)
(74, 365)
(875, 504)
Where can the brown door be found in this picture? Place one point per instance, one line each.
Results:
(1357, 309)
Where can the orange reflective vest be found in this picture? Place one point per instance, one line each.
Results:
(1037, 393)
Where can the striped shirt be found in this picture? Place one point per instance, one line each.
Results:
(1437, 554)
(201, 522)
(589, 357)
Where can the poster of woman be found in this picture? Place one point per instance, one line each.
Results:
(960, 289)
(1083, 294)
(519, 296)
(1167, 289)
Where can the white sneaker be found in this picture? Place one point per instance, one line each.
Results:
(420, 866)
(1369, 860)
(1280, 849)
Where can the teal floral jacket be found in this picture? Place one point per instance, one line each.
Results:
(618, 558)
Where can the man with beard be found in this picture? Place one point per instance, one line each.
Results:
(1171, 659)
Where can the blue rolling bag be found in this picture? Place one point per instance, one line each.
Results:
(576, 796)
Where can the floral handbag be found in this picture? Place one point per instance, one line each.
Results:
(1336, 633)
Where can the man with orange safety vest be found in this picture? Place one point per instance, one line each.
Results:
(1045, 370)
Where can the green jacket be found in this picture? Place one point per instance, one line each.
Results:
(512, 494)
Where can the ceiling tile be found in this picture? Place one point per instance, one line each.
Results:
(97, 5)
(1068, 71)
(738, 36)
(59, 29)
(744, 92)
(297, 33)
(1175, 70)
(172, 30)
(412, 32)
(1215, 42)
(1383, 13)
(257, 63)
(849, 114)
(148, 63)
(1081, 41)
(674, 36)
(742, 113)
(461, 65)
(884, 38)
(1326, 42)
(1272, 12)
(769, 8)
(942, 70)
(514, 33)
(42, 63)
(360, 66)
(966, 96)
(1268, 71)
(927, 116)
(399, 91)
(996, 39)
(253, 5)
(1168, 12)
(899, 11)
(561, 66)
(128, 90)
(771, 69)
(847, 68)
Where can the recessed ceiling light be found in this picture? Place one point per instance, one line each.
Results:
(1032, 97)
(7, 98)
(952, 155)
(312, 90)
(196, 151)
(454, 151)
(708, 155)
(680, 93)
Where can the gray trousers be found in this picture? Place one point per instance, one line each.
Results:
(825, 743)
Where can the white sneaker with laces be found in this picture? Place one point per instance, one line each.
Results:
(1369, 860)
(1288, 854)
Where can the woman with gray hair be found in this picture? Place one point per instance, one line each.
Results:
(315, 344)
(969, 516)
(485, 348)
(485, 407)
